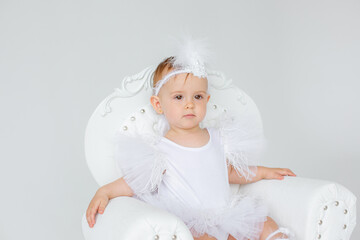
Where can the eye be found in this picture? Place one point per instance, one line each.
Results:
(198, 97)
(178, 97)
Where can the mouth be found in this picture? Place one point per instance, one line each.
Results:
(189, 115)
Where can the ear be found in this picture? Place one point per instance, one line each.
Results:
(155, 102)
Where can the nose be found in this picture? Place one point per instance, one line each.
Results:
(189, 105)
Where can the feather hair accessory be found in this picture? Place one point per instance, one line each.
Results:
(191, 57)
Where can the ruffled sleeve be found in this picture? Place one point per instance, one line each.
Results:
(140, 163)
(243, 142)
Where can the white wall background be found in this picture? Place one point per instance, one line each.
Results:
(299, 60)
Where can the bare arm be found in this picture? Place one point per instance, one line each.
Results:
(234, 178)
(102, 196)
(117, 188)
(261, 173)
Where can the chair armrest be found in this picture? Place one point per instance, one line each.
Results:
(127, 218)
(311, 208)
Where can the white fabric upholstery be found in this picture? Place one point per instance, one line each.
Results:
(296, 203)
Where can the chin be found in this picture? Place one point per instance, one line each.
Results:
(191, 126)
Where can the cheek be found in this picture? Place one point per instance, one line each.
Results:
(173, 105)
(172, 112)
(202, 107)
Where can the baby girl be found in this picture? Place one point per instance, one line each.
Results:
(188, 170)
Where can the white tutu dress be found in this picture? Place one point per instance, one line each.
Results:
(192, 183)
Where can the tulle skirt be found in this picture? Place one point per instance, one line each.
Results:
(243, 217)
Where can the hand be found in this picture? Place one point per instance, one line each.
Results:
(97, 205)
(276, 173)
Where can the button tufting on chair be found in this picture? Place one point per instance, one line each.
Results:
(125, 128)
(345, 211)
(325, 208)
(142, 110)
(336, 203)
(215, 107)
(320, 222)
(174, 237)
(345, 226)
(132, 118)
(156, 237)
(319, 236)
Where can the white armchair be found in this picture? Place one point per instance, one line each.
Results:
(312, 209)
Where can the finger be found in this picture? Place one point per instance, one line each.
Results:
(88, 220)
(281, 172)
(88, 213)
(292, 173)
(286, 172)
(280, 177)
(275, 175)
(102, 207)
(91, 217)
(93, 213)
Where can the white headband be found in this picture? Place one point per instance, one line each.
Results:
(189, 59)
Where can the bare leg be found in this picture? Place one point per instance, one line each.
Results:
(231, 238)
(270, 226)
(207, 237)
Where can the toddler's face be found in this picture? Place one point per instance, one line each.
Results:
(183, 102)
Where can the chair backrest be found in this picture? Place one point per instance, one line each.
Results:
(131, 101)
